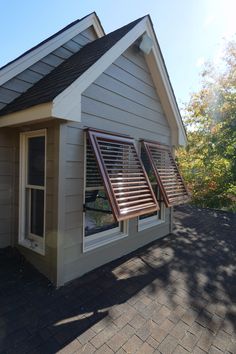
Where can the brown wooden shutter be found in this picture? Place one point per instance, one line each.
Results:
(124, 177)
(168, 177)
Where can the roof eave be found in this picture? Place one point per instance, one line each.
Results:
(67, 104)
(165, 90)
(40, 51)
(33, 114)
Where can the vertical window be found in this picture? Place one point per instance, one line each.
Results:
(32, 190)
(151, 219)
(167, 174)
(100, 226)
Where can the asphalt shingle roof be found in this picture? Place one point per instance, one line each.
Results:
(176, 295)
(47, 39)
(66, 73)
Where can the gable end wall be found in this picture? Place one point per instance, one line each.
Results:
(122, 100)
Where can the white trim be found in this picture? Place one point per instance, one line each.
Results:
(103, 238)
(67, 104)
(152, 221)
(166, 85)
(34, 242)
(40, 52)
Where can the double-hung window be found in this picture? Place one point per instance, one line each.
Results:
(116, 187)
(32, 190)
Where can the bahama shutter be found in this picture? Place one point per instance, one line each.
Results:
(168, 177)
(124, 178)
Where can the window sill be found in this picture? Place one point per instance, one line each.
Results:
(103, 240)
(148, 224)
(33, 246)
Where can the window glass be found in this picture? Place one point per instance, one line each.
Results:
(36, 160)
(98, 215)
(155, 187)
(37, 212)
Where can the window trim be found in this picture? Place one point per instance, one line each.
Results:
(153, 221)
(102, 238)
(34, 242)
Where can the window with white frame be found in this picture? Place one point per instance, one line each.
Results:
(100, 226)
(157, 217)
(32, 190)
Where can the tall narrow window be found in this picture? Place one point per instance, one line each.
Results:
(157, 217)
(32, 190)
(166, 173)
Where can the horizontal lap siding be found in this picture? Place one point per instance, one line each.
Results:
(122, 100)
(6, 186)
(74, 185)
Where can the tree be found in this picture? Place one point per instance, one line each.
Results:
(208, 163)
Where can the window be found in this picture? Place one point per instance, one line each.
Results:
(100, 226)
(166, 174)
(151, 219)
(123, 175)
(32, 190)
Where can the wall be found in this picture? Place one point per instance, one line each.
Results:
(6, 186)
(45, 264)
(123, 100)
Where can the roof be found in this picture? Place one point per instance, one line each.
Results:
(47, 39)
(65, 74)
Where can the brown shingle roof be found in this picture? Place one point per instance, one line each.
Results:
(61, 77)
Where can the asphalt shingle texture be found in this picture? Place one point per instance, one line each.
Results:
(176, 295)
(66, 73)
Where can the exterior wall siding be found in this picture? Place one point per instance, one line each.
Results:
(6, 186)
(122, 100)
(46, 264)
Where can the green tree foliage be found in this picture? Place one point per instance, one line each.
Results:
(208, 163)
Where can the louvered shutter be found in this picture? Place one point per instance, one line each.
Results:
(168, 177)
(125, 180)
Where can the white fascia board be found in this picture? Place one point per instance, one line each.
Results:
(67, 105)
(182, 138)
(34, 56)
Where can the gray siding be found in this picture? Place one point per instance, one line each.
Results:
(6, 186)
(22, 82)
(122, 100)
(45, 264)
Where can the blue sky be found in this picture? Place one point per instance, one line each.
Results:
(189, 31)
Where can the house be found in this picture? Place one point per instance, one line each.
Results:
(88, 125)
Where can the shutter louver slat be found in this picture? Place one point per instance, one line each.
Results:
(93, 177)
(124, 178)
(167, 174)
